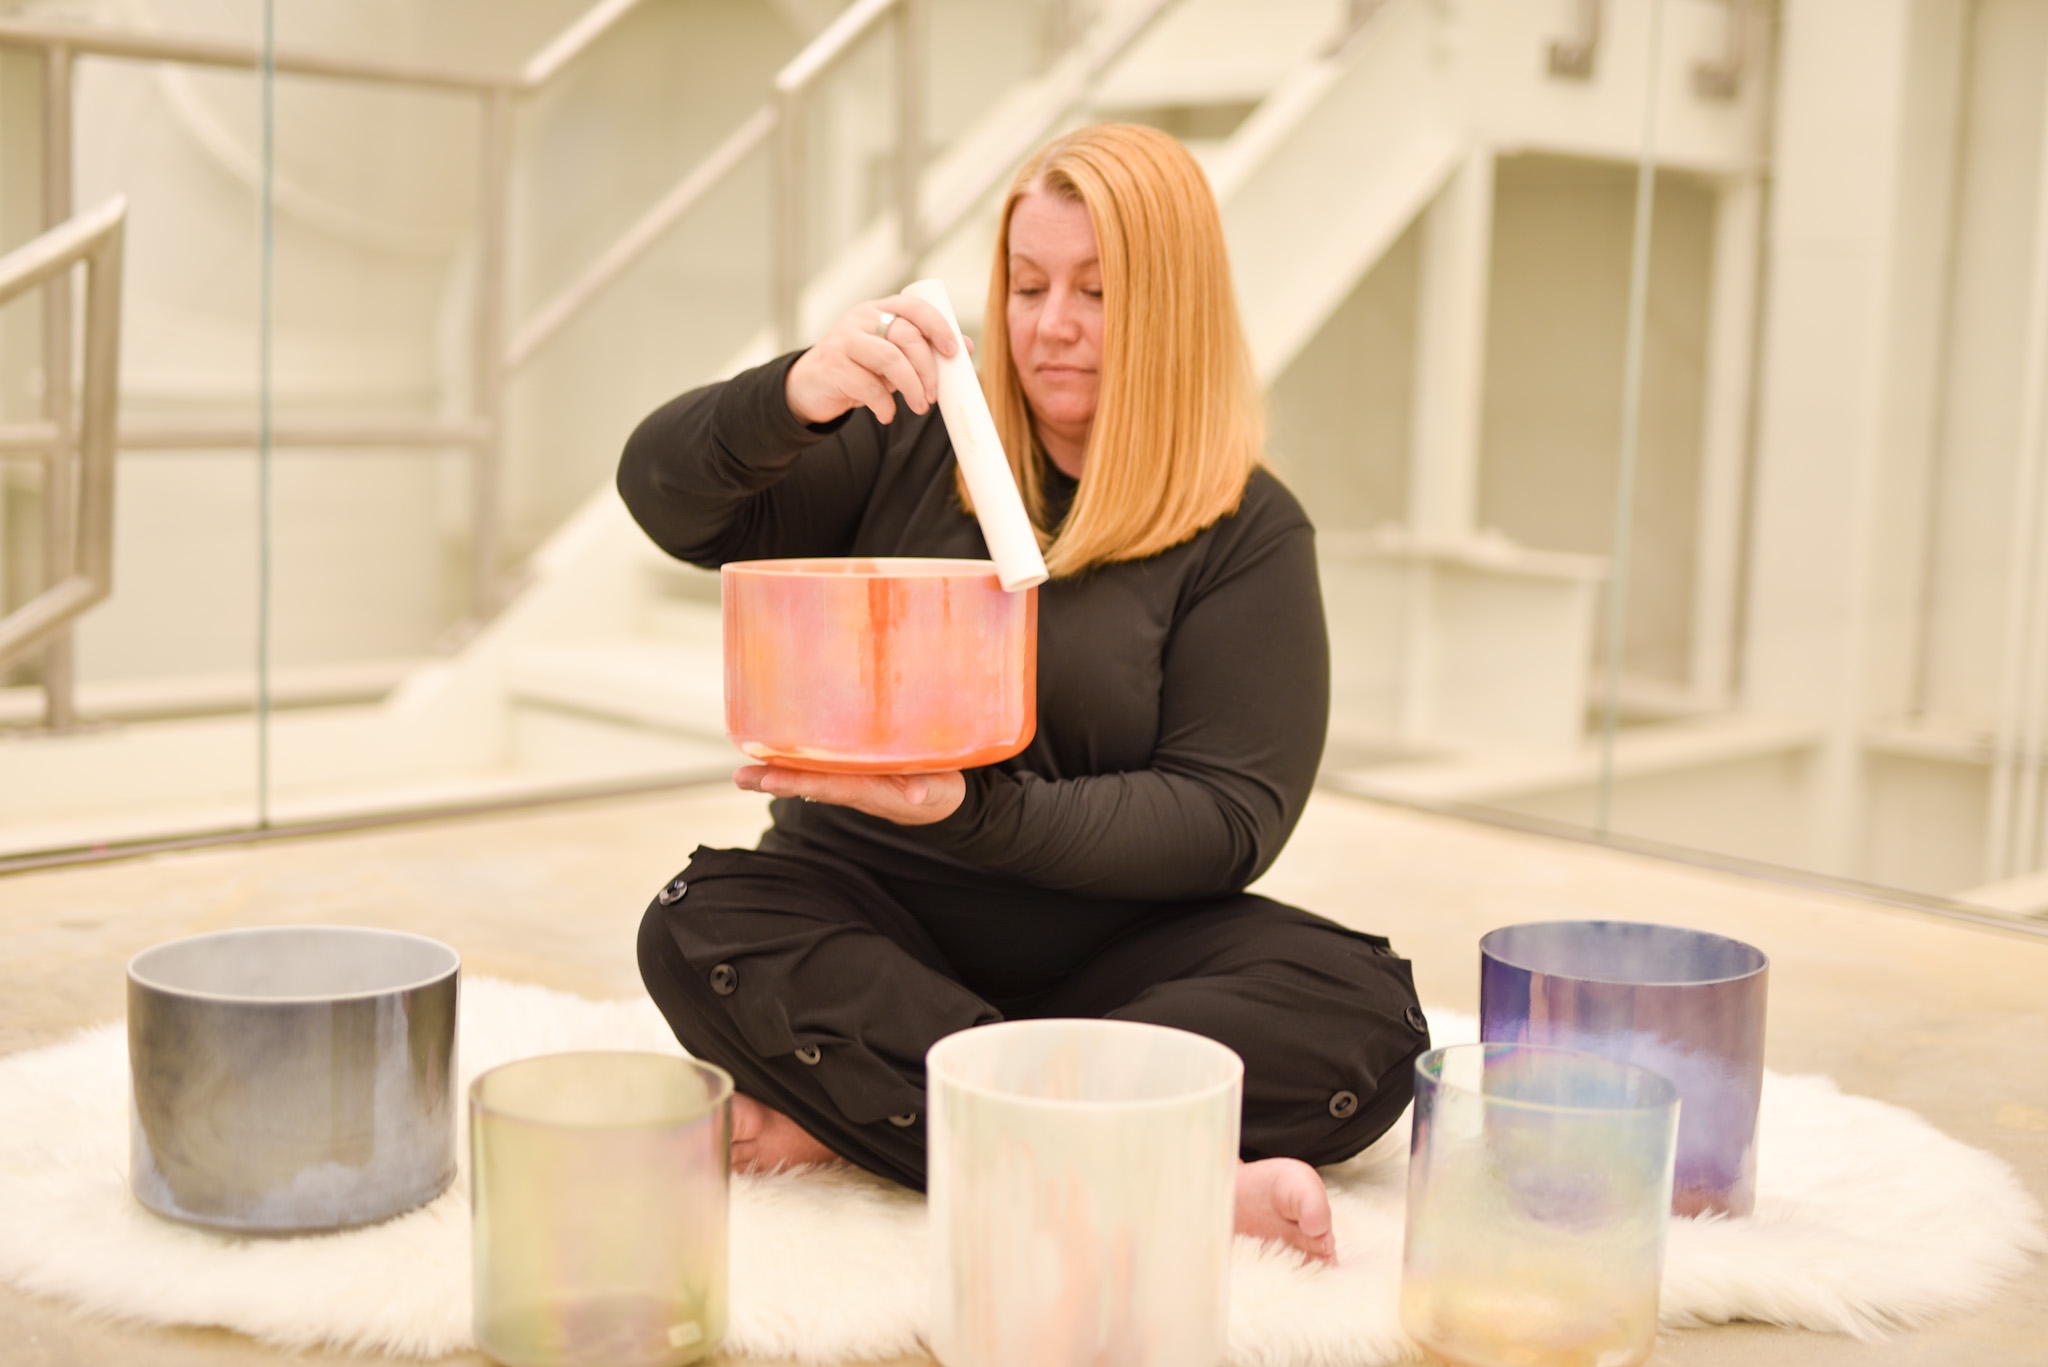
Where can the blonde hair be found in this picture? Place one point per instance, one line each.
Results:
(1178, 422)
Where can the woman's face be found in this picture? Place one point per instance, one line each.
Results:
(1055, 317)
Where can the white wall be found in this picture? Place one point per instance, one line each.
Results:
(1556, 329)
(1858, 244)
(1970, 554)
(1338, 421)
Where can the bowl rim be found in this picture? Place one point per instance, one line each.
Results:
(138, 975)
(938, 1062)
(831, 567)
(1659, 1094)
(1493, 946)
(720, 1093)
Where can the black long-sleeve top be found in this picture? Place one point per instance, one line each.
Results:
(1182, 699)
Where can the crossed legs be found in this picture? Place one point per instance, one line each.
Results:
(819, 994)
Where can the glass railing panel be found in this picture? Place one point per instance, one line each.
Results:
(1829, 649)
(381, 560)
(1877, 622)
(1553, 419)
(165, 740)
(454, 362)
(1503, 641)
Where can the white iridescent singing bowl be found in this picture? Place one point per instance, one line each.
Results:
(878, 666)
(1082, 1175)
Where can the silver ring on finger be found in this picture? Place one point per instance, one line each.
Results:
(882, 324)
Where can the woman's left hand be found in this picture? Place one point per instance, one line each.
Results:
(906, 799)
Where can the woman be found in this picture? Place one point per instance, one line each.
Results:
(1182, 702)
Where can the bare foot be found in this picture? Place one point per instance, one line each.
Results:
(766, 1140)
(1283, 1198)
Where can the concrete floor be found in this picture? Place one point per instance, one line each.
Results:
(1947, 1019)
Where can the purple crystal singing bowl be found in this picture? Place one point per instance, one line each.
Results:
(1680, 1002)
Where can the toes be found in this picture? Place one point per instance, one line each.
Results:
(748, 1118)
(1283, 1199)
(1306, 1203)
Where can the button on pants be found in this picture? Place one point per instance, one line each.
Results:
(819, 993)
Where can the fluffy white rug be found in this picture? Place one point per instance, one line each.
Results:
(1867, 1218)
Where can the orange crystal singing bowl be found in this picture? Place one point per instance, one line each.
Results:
(878, 666)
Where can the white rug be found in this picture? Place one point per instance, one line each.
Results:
(1867, 1219)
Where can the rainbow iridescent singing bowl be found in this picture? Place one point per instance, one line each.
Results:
(598, 1186)
(878, 666)
(1539, 1192)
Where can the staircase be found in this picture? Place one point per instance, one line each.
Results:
(1325, 145)
(600, 691)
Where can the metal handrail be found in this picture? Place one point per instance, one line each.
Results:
(641, 238)
(143, 438)
(573, 41)
(920, 226)
(88, 41)
(31, 438)
(792, 87)
(483, 433)
(1068, 85)
(84, 555)
(848, 28)
(917, 229)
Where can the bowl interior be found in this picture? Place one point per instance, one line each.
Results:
(1090, 1062)
(867, 567)
(1622, 952)
(1535, 1078)
(293, 963)
(603, 1089)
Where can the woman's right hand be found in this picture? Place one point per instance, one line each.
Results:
(855, 366)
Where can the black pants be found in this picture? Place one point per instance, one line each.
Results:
(802, 977)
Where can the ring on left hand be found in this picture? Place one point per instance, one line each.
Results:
(883, 323)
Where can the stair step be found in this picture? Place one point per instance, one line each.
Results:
(666, 684)
(1210, 52)
(669, 578)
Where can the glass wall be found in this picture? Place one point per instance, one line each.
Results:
(145, 703)
(400, 280)
(1665, 378)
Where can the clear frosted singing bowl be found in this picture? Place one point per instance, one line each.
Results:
(288, 1079)
(1682, 1002)
(1081, 1183)
(880, 666)
(598, 1199)
(1539, 1189)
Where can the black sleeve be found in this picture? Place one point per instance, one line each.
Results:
(1244, 709)
(715, 475)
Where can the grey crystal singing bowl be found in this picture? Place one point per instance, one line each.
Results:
(291, 1078)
